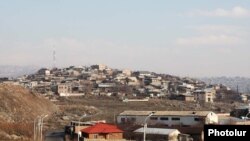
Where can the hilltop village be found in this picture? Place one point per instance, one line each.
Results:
(102, 80)
(136, 87)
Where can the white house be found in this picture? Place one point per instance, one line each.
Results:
(102, 67)
(33, 84)
(127, 72)
(67, 90)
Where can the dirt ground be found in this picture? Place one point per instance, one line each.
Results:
(107, 108)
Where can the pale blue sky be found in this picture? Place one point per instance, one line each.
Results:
(182, 37)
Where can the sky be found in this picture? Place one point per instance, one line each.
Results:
(196, 38)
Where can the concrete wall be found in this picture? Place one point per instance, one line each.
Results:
(106, 136)
(187, 120)
(158, 120)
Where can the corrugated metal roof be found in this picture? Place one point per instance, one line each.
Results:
(166, 113)
(157, 131)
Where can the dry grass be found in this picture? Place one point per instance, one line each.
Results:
(22, 131)
(110, 107)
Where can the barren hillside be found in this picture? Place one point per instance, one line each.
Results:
(18, 104)
(18, 109)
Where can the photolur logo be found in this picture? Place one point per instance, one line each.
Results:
(226, 132)
(214, 132)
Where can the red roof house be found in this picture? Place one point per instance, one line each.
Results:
(102, 131)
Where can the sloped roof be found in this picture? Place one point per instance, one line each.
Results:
(102, 128)
(166, 113)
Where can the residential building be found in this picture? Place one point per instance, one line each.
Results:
(64, 88)
(44, 71)
(127, 72)
(243, 98)
(102, 132)
(102, 67)
(206, 95)
(69, 89)
(185, 97)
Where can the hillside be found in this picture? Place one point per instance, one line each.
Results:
(18, 109)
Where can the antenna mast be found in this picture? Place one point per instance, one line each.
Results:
(54, 57)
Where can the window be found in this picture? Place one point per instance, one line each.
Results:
(175, 118)
(197, 119)
(153, 118)
(209, 99)
(133, 119)
(95, 136)
(123, 120)
(164, 118)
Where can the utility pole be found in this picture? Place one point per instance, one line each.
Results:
(38, 127)
(35, 129)
(78, 133)
(42, 126)
(145, 125)
(54, 58)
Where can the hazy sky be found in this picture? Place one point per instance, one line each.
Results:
(181, 37)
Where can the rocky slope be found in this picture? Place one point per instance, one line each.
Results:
(18, 109)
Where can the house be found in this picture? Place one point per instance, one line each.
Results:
(73, 72)
(102, 132)
(43, 71)
(43, 87)
(133, 81)
(102, 67)
(185, 87)
(157, 134)
(109, 71)
(142, 74)
(69, 89)
(156, 81)
(95, 76)
(33, 84)
(64, 88)
(243, 98)
(185, 97)
(106, 87)
(206, 95)
(126, 72)
(169, 118)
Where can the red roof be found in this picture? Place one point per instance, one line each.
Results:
(102, 128)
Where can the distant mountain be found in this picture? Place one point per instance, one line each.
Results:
(15, 71)
(243, 83)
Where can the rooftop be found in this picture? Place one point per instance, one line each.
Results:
(167, 113)
(102, 128)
